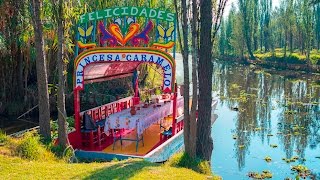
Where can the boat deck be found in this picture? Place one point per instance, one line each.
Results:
(151, 140)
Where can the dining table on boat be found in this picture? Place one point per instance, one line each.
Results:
(144, 117)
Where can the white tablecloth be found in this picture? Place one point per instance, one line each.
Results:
(143, 118)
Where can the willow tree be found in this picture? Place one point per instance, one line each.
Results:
(42, 80)
(245, 7)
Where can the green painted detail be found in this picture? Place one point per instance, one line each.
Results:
(128, 11)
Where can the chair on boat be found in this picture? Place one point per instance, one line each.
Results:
(90, 132)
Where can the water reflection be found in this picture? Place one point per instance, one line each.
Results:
(259, 109)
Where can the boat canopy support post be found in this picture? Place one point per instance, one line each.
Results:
(77, 113)
(174, 114)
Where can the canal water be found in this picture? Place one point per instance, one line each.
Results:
(265, 113)
(11, 125)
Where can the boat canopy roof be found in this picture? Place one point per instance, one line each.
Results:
(98, 72)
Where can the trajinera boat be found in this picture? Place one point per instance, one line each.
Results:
(112, 43)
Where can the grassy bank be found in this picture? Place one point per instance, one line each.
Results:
(295, 57)
(17, 168)
(28, 158)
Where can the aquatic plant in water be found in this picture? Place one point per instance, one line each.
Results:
(264, 175)
(292, 159)
(302, 171)
(273, 145)
(268, 159)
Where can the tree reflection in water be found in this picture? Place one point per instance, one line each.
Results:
(257, 95)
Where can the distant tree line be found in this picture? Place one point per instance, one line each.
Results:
(253, 26)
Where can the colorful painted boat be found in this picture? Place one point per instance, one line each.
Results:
(113, 43)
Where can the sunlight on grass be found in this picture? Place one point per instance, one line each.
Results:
(28, 158)
(295, 57)
(17, 168)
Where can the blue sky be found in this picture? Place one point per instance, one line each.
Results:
(274, 4)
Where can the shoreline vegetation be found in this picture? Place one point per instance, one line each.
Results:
(292, 61)
(28, 157)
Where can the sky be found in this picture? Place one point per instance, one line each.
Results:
(275, 3)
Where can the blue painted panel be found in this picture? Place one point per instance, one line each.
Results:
(165, 152)
(96, 156)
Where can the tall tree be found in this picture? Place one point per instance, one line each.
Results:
(255, 24)
(209, 26)
(308, 24)
(317, 26)
(42, 81)
(266, 7)
(229, 28)
(193, 120)
(62, 126)
(204, 140)
(222, 39)
(185, 56)
(247, 16)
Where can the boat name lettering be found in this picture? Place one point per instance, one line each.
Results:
(128, 11)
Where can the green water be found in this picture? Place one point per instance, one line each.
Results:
(260, 108)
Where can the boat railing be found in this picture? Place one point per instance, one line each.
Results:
(103, 111)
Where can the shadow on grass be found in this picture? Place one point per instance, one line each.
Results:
(121, 170)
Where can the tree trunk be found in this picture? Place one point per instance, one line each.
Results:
(285, 44)
(261, 37)
(20, 73)
(193, 120)
(42, 81)
(186, 81)
(204, 140)
(246, 26)
(62, 126)
(185, 53)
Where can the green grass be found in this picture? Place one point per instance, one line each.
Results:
(17, 168)
(28, 158)
(183, 160)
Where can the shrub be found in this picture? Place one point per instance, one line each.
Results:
(30, 147)
(3, 137)
(295, 59)
(185, 161)
(315, 59)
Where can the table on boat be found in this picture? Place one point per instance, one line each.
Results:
(143, 118)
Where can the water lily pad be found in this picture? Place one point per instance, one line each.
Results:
(268, 159)
(273, 145)
(295, 157)
(286, 160)
(264, 175)
(302, 171)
